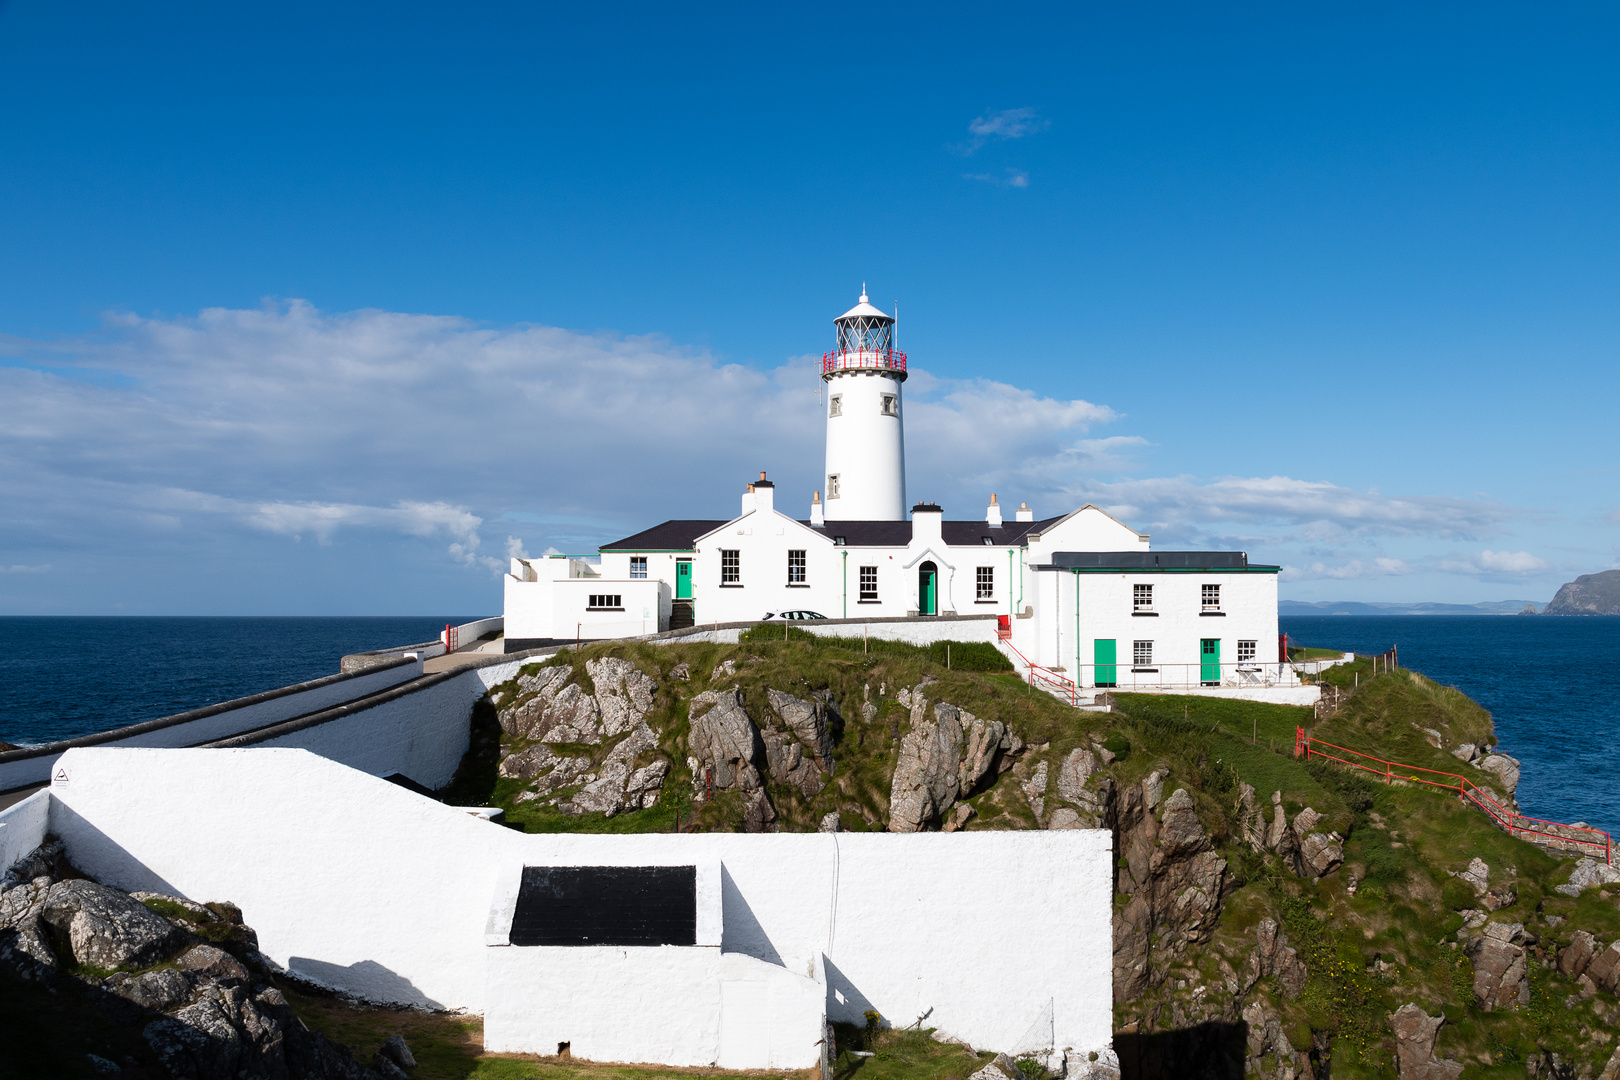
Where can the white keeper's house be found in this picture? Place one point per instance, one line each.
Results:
(1082, 593)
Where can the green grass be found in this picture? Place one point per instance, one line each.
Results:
(903, 1055)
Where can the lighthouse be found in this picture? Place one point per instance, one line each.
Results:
(866, 454)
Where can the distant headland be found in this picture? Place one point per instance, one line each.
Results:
(1589, 594)
(1286, 608)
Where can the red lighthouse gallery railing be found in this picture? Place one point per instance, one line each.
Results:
(883, 359)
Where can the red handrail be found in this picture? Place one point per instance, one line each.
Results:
(1043, 675)
(1509, 821)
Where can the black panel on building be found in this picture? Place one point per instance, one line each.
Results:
(606, 905)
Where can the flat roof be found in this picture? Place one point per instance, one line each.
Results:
(1156, 561)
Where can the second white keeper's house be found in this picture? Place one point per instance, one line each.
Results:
(1080, 594)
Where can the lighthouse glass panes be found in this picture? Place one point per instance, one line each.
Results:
(985, 584)
(730, 566)
(1212, 598)
(638, 567)
(869, 583)
(796, 566)
(1141, 598)
(872, 333)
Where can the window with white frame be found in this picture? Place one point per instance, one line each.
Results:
(1212, 598)
(1141, 654)
(835, 405)
(796, 566)
(869, 583)
(638, 567)
(604, 602)
(985, 583)
(832, 485)
(890, 408)
(730, 566)
(1141, 598)
(1246, 651)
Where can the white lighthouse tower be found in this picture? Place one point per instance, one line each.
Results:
(866, 453)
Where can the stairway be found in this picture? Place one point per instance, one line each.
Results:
(680, 615)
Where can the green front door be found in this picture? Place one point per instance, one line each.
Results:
(1102, 654)
(683, 579)
(926, 576)
(1210, 661)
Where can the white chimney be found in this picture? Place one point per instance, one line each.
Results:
(992, 516)
(925, 521)
(747, 500)
(817, 519)
(764, 495)
(1025, 513)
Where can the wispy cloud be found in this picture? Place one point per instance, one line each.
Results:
(1496, 563)
(998, 125)
(1356, 569)
(41, 569)
(1016, 178)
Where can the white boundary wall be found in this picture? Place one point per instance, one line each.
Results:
(33, 765)
(362, 885)
(23, 827)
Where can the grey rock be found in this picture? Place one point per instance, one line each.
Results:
(724, 739)
(725, 669)
(1065, 817)
(758, 813)
(1415, 1035)
(1306, 821)
(681, 671)
(960, 814)
(1034, 789)
(528, 763)
(45, 861)
(831, 823)
(106, 928)
(1182, 831)
(927, 776)
(1589, 874)
(1477, 875)
(983, 744)
(1273, 956)
(1073, 775)
(605, 794)
(1604, 970)
(644, 785)
(212, 962)
(810, 722)
(572, 717)
(532, 705)
(1611, 1071)
(787, 764)
(1251, 823)
(26, 949)
(154, 991)
(1436, 740)
(1153, 788)
(1320, 854)
(624, 693)
(1466, 752)
(1500, 967)
(387, 1068)
(221, 1034)
(395, 1050)
(1504, 768)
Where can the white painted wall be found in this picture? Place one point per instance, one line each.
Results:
(468, 633)
(865, 448)
(1105, 605)
(1086, 529)
(367, 887)
(23, 826)
(23, 768)
(645, 602)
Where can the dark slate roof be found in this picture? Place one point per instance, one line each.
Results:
(683, 535)
(670, 536)
(1154, 560)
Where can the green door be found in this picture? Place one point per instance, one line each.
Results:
(683, 579)
(927, 573)
(1210, 661)
(1102, 654)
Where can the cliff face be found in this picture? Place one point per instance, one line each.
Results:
(1589, 594)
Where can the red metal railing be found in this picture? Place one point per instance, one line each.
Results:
(1593, 842)
(886, 359)
(1045, 678)
(451, 634)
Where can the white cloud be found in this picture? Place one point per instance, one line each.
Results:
(1496, 562)
(1016, 178)
(1354, 570)
(42, 569)
(1003, 124)
(1314, 510)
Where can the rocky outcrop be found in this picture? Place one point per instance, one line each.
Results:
(624, 693)
(550, 708)
(1074, 785)
(1173, 878)
(1505, 769)
(1604, 970)
(208, 1012)
(798, 744)
(1588, 874)
(1274, 957)
(942, 758)
(1267, 1039)
(1415, 1035)
(724, 742)
(1499, 957)
(1577, 956)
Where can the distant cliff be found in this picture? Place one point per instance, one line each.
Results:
(1589, 594)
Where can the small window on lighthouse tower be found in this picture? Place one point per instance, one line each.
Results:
(888, 405)
(835, 405)
(832, 486)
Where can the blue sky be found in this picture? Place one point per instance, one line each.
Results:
(324, 308)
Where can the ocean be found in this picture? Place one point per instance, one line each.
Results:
(67, 676)
(1545, 680)
(1548, 682)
